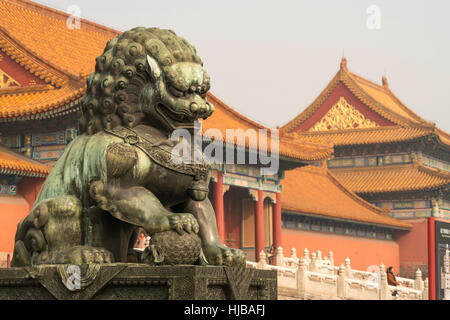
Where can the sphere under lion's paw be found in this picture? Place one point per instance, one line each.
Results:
(177, 249)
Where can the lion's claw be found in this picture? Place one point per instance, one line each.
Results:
(227, 257)
(183, 221)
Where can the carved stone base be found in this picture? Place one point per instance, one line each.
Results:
(136, 282)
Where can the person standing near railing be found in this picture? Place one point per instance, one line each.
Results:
(392, 281)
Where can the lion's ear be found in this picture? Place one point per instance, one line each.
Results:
(153, 68)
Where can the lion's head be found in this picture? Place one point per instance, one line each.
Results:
(146, 75)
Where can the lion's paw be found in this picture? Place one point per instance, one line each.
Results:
(183, 221)
(221, 255)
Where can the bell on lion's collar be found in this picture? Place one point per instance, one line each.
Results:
(198, 190)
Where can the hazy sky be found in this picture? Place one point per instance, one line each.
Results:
(270, 59)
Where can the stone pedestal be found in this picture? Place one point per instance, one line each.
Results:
(136, 282)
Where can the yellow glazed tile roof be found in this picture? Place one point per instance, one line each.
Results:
(392, 178)
(367, 135)
(385, 97)
(44, 34)
(18, 164)
(315, 190)
(224, 117)
(380, 99)
(16, 103)
(38, 39)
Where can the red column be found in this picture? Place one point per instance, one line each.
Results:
(276, 221)
(218, 206)
(259, 225)
(431, 260)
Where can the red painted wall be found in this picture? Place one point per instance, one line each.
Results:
(12, 210)
(29, 188)
(361, 251)
(413, 249)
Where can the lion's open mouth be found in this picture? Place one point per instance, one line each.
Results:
(176, 119)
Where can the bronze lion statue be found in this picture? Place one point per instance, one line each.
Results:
(119, 174)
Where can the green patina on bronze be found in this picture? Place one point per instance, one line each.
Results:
(117, 175)
(132, 281)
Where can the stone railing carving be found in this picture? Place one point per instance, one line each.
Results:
(315, 277)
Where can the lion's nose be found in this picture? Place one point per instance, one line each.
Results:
(202, 109)
(194, 107)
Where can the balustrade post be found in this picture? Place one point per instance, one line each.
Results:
(348, 267)
(306, 256)
(425, 289)
(331, 257)
(313, 263)
(342, 282)
(384, 289)
(262, 260)
(294, 253)
(418, 283)
(301, 278)
(279, 258)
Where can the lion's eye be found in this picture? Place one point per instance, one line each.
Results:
(176, 92)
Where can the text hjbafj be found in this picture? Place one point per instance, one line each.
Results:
(236, 310)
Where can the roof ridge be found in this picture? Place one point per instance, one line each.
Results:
(315, 169)
(375, 168)
(32, 63)
(28, 4)
(404, 106)
(373, 104)
(352, 194)
(367, 130)
(394, 178)
(440, 132)
(367, 81)
(325, 172)
(433, 171)
(63, 101)
(294, 137)
(289, 148)
(20, 156)
(385, 89)
(406, 166)
(380, 128)
(235, 113)
(313, 106)
(25, 89)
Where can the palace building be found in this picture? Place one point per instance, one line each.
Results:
(319, 213)
(44, 66)
(383, 152)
